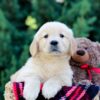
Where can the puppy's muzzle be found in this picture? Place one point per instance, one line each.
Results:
(54, 43)
(54, 46)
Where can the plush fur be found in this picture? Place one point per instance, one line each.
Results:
(92, 49)
(49, 63)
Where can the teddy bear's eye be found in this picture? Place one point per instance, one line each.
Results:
(61, 35)
(46, 36)
(86, 48)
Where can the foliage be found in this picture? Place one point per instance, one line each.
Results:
(20, 19)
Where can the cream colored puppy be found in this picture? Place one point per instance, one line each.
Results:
(51, 50)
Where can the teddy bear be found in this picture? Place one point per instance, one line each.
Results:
(88, 54)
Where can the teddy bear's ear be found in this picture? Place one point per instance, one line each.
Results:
(73, 46)
(34, 47)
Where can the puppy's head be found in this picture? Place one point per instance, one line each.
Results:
(53, 38)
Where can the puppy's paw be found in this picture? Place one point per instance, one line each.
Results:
(68, 82)
(50, 89)
(31, 92)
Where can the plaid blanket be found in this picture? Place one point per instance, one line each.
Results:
(75, 92)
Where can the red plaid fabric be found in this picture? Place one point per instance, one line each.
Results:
(76, 92)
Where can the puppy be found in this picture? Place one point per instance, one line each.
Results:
(51, 50)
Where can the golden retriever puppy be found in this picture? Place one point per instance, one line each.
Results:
(51, 50)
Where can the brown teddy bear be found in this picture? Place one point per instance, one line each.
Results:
(88, 53)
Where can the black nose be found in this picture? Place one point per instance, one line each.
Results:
(54, 43)
(81, 52)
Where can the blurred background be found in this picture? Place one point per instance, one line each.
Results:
(20, 19)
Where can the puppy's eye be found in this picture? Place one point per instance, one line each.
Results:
(46, 36)
(61, 35)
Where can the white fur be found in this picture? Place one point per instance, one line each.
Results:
(47, 67)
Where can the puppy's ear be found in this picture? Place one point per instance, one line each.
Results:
(73, 46)
(34, 47)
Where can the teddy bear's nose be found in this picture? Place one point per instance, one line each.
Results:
(80, 52)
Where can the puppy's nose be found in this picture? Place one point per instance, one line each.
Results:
(81, 52)
(54, 43)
